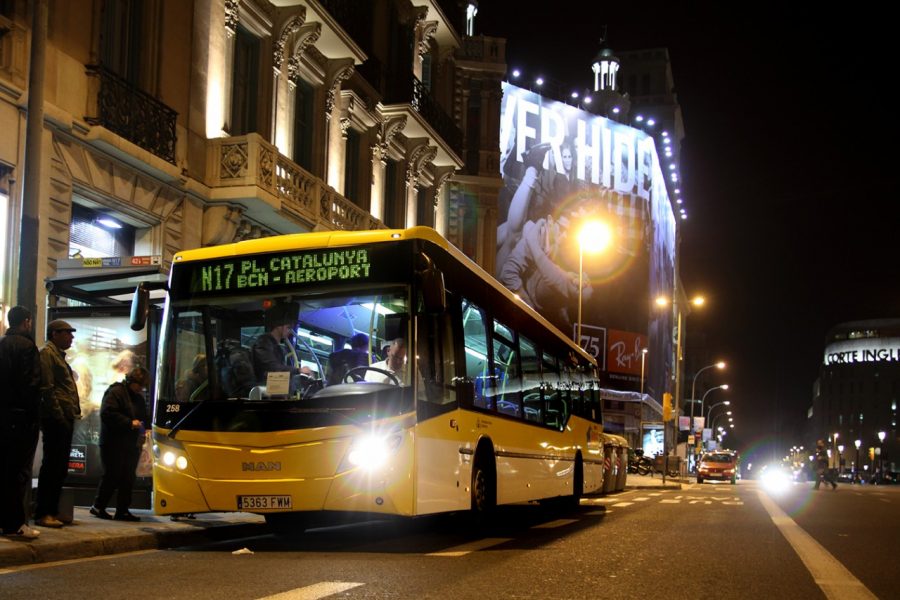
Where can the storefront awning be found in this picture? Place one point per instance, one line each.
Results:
(107, 281)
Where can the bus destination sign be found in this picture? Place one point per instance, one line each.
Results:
(275, 270)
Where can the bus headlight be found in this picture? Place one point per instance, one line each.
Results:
(373, 451)
(169, 458)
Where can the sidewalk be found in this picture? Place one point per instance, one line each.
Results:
(653, 482)
(89, 536)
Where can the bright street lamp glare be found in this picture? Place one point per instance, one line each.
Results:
(662, 301)
(720, 364)
(724, 386)
(698, 301)
(594, 236)
(728, 403)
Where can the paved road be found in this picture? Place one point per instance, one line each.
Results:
(698, 541)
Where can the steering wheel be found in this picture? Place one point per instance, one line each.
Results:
(358, 374)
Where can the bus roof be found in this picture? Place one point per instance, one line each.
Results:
(336, 239)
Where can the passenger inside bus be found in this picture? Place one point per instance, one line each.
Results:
(395, 363)
(341, 361)
(268, 353)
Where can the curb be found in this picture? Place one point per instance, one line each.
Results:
(19, 553)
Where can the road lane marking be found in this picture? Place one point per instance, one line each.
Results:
(641, 499)
(72, 561)
(555, 524)
(670, 501)
(596, 513)
(622, 504)
(834, 579)
(464, 549)
(323, 589)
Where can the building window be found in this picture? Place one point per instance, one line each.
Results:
(351, 167)
(393, 198)
(120, 39)
(304, 103)
(5, 233)
(424, 208)
(97, 234)
(426, 71)
(245, 82)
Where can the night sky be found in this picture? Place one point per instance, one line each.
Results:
(788, 170)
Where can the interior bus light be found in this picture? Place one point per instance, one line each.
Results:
(380, 309)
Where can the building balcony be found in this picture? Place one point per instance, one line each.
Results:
(132, 113)
(407, 96)
(249, 171)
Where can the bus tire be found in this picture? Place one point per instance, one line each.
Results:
(484, 484)
(574, 501)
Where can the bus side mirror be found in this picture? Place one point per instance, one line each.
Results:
(140, 307)
(431, 282)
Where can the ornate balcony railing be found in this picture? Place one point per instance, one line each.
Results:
(407, 89)
(133, 114)
(249, 160)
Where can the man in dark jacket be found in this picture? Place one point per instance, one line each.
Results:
(268, 353)
(20, 372)
(60, 408)
(357, 355)
(123, 419)
(823, 473)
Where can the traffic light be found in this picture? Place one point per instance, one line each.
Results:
(871, 453)
(667, 406)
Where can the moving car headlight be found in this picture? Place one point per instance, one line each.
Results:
(373, 451)
(775, 480)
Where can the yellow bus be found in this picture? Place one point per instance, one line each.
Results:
(490, 405)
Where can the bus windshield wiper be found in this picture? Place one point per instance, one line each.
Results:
(184, 419)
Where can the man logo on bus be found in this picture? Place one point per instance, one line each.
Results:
(261, 466)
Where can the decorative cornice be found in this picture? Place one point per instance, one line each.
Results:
(386, 133)
(440, 179)
(290, 28)
(418, 158)
(344, 69)
(232, 15)
(426, 31)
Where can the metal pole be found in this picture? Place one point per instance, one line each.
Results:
(34, 133)
(580, 281)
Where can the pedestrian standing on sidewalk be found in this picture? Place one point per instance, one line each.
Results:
(20, 372)
(823, 473)
(59, 409)
(123, 420)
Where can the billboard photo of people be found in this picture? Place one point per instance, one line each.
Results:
(562, 167)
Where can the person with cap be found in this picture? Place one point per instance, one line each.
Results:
(123, 417)
(268, 353)
(59, 410)
(20, 372)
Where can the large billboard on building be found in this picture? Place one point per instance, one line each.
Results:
(562, 167)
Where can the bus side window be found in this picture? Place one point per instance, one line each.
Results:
(435, 364)
(476, 347)
(551, 385)
(506, 366)
(531, 381)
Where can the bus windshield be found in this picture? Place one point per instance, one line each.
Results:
(264, 362)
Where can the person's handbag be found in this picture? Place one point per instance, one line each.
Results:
(145, 462)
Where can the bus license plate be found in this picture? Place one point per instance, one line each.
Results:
(263, 502)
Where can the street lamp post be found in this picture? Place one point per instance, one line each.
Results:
(856, 443)
(724, 386)
(662, 301)
(881, 436)
(719, 365)
(593, 237)
(840, 459)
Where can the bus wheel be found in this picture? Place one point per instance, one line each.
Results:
(578, 483)
(484, 486)
(287, 523)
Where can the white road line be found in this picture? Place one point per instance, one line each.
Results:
(72, 561)
(656, 494)
(672, 501)
(622, 504)
(641, 499)
(555, 524)
(323, 589)
(464, 549)
(829, 574)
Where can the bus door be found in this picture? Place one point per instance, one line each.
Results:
(439, 465)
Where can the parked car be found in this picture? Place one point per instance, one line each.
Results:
(718, 465)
